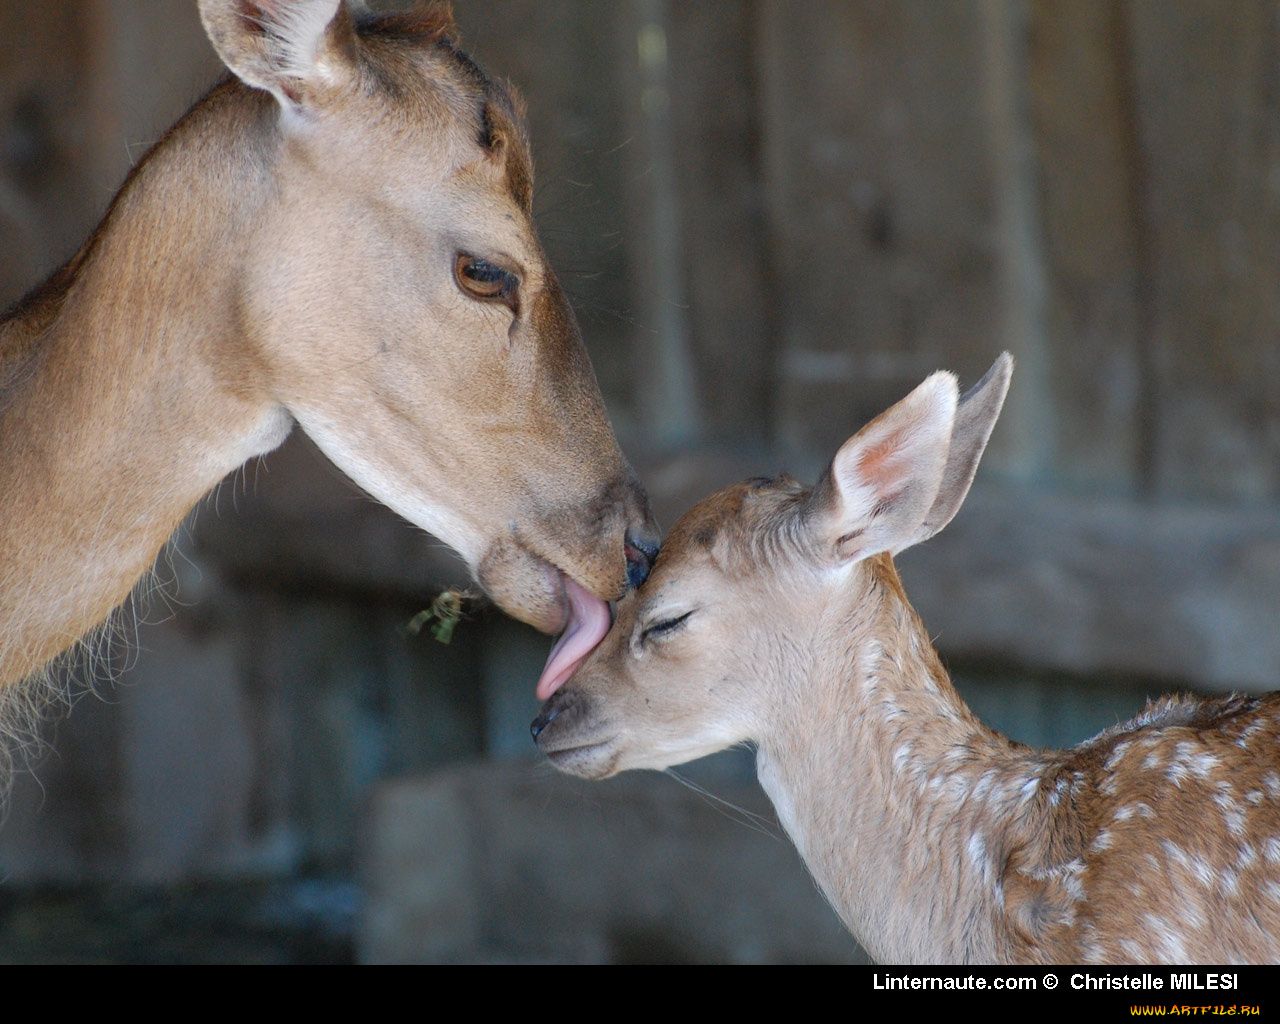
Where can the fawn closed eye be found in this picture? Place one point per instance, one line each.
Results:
(665, 627)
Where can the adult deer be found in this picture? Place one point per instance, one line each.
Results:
(775, 615)
(339, 236)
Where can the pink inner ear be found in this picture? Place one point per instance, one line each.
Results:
(875, 480)
(589, 621)
(888, 473)
(877, 460)
(886, 467)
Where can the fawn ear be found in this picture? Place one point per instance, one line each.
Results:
(883, 482)
(976, 415)
(294, 50)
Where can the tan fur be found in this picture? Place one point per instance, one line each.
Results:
(936, 838)
(289, 256)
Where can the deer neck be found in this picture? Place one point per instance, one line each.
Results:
(126, 390)
(900, 801)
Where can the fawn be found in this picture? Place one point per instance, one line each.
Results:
(774, 615)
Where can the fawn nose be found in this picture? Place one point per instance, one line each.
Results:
(641, 551)
(559, 703)
(542, 721)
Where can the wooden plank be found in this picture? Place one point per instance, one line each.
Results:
(471, 866)
(881, 206)
(1208, 81)
(45, 69)
(729, 291)
(1184, 595)
(1086, 164)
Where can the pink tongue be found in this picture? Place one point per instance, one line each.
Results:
(588, 623)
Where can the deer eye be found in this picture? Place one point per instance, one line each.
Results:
(487, 281)
(664, 627)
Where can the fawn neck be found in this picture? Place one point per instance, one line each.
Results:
(124, 390)
(894, 793)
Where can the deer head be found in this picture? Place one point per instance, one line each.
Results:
(393, 295)
(761, 585)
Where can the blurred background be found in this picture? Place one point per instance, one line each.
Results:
(774, 220)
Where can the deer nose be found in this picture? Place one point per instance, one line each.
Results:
(640, 555)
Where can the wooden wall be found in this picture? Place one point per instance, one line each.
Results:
(774, 219)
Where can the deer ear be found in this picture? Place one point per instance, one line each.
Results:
(293, 50)
(884, 480)
(508, 148)
(976, 415)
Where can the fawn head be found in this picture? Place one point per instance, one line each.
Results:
(760, 583)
